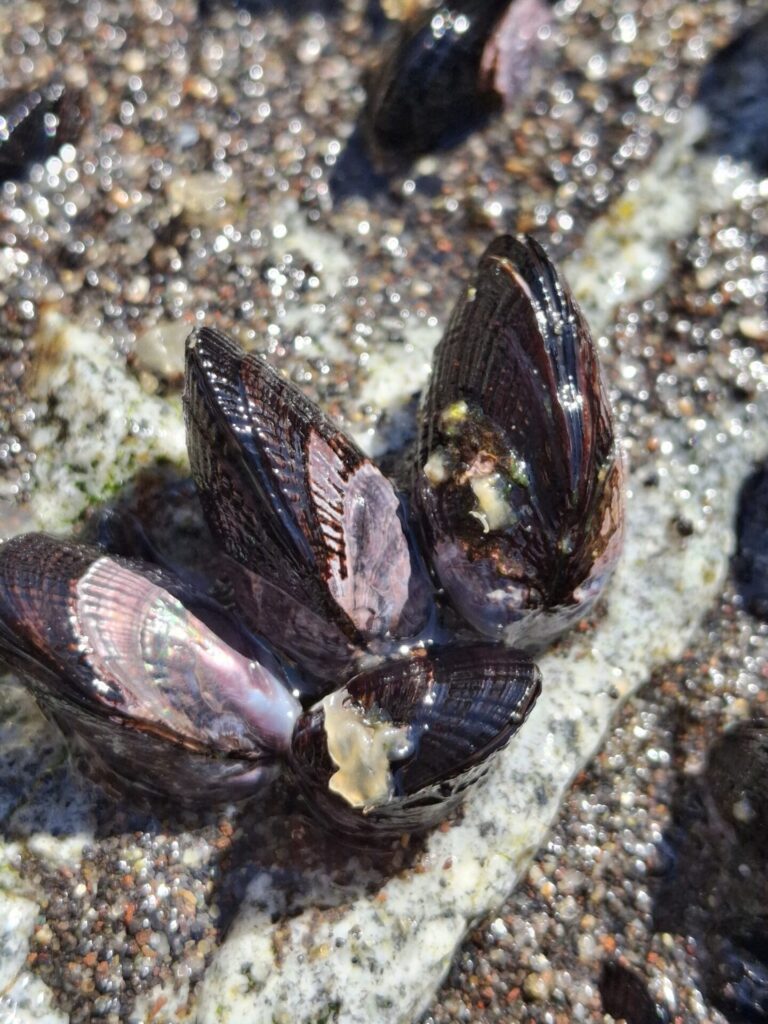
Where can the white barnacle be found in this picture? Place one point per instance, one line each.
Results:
(362, 747)
(452, 416)
(494, 510)
(436, 467)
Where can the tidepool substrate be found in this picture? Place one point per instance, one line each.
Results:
(210, 182)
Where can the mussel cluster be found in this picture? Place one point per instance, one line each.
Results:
(513, 524)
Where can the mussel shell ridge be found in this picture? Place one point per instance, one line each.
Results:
(518, 482)
(293, 499)
(444, 713)
(158, 703)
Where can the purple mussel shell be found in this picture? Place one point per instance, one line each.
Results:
(396, 749)
(518, 482)
(156, 702)
(295, 502)
(324, 653)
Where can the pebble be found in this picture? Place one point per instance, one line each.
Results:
(137, 289)
(160, 349)
(538, 986)
(206, 195)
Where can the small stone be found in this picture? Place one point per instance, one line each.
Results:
(570, 881)
(201, 88)
(568, 909)
(754, 328)
(539, 962)
(206, 195)
(43, 935)
(547, 890)
(134, 61)
(137, 288)
(160, 350)
(538, 986)
(586, 946)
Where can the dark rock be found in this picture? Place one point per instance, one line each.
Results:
(740, 976)
(734, 89)
(737, 778)
(715, 886)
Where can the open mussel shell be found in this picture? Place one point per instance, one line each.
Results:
(450, 67)
(397, 747)
(157, 702)
(322, 650)
(294, 501)
(518, 481)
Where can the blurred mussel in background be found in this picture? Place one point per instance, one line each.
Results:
(715, 888)
(441, 71)
(751, 562)
(734, 91)
(448, 68)
(35, 123)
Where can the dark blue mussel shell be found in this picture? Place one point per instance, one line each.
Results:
(35, 123)
(448, 69)
(518, 482)
(450, 709)
(751, 561)
(156, 702)
(320, 530)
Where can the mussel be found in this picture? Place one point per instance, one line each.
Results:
(751, 561)
(397, 747)
(153, 698)
(449, 68)
(160, 705)
(518, 482)
(293, 500)
(732, 89)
